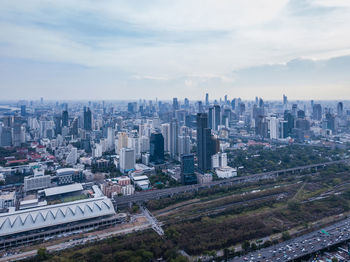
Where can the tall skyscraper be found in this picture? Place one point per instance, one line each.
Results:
(216, 117)
(23, 110)
(285, 100)
(157, 148)
(183, 145)
(175, 104)
(187, 103)
(122, 141)
(74, 127)
(165, 128)
(200, 107)
(65, 118)
(206, 99)
(288, 116)
(317, 112)
(6, 136)
(58, 125)
(87, 119)
(174, 134)
(204, 143)
(340, 109)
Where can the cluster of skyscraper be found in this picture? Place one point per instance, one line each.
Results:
(160, 132)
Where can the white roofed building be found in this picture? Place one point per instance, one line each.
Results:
(54, 215)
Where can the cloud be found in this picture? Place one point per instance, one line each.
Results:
(164, 45)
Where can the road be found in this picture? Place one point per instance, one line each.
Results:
(301, 246)
(140, 197)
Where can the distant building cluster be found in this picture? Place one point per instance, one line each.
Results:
(68, 159)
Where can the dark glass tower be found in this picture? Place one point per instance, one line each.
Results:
(187, 170)
(204, 143)
(65, 118)
(157, 148)
(87, 119)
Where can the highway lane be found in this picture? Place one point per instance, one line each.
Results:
(301, 246)
(160, 193)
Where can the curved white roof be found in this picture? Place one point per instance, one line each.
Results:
(26, 220)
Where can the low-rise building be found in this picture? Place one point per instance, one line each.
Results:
(69, 176)
(7, 199)
(204, 178)
(36, 182)
(226, 172)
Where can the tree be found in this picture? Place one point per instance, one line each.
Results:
(246, 246)
(253, 246)
(42, 254)
(334, 259)
(286, 236)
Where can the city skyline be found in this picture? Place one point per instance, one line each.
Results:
(87, 50)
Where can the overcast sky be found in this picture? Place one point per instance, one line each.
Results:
(81, 49)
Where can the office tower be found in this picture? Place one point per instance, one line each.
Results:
(87, 119)
(317, 112)
(16, 132)
(175, 104)
(64, 118)
(285, 100)
(225, 99)
(273, 127)
(157, 148)
(165, 129)
(184, 145)
(110, 138)
(58, 125)
(187, 103)
(122, 141)
(204, 143)
(23, 110)
(290, 122)
(214, 118)
(206, 99)
(174, 134)
(301, 114)
(144, 144)
(187, 170)
(200, 107)
(241, 108)
(74, 127)
(261, 126)
(261, 102)
(180, 115)
(127, 160)
(132, 107)
(233, 104)
(6, 136)
(330, 121)
(210, 117)
(294, 110)
(340, 109)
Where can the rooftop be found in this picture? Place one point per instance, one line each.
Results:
(52, 191)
